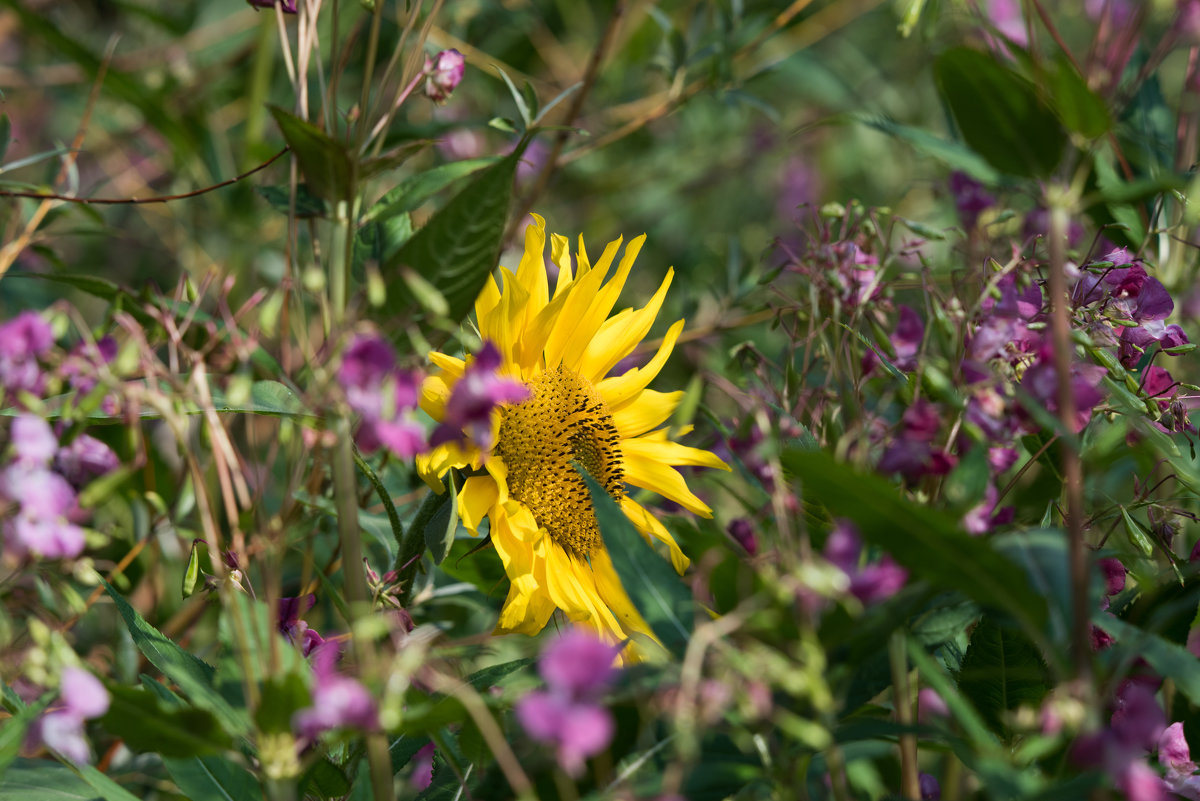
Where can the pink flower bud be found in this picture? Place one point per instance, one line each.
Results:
(443, 74)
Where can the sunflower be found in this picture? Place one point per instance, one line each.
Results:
(562, 347)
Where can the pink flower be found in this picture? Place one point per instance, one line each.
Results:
(338, 702)
(22, 340)
(869, 583)
(383, 396)
(444, 72)
(81, 698)
(468, 416)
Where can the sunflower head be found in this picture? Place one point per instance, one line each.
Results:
(561, 346)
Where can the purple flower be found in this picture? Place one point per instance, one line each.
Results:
(970, 196)
(42, 524)
(422, 772)
(82, 697)
(382, 395)
(577, 667)
(289, 6)
(468, 416)
(1114, 575)
(869, 583)
(443, 74)
(338, 702)
(930, 789)
(22, 340)
(1041, 381)
(579, 664)
(906, 340)
(911, 453)
(84, 459)
(33, 441)
(81, 364)
(742, 531)
(293, 628)
(930, 705)
(1005, 16)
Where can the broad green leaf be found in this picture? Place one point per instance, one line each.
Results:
(441, 528)
(193, 676)
(1168, 659)
(107, 789)
(282, 697)
(480, 568)
(324, 161)
(999, 113)
(137, 717)
(925, 541)
(414, 191)
(968, 481)
(490, 676)
(952, 154)
(663, 600)
(960, 708)
(266, 397)
(43, 780)
(1079, 108)
(326, 779)
(212, 778)
(459, 247)
(1001, 672)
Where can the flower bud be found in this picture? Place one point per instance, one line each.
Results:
(443, 73)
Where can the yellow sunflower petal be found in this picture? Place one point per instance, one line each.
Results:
(621, 389)
(667, 452)
(531, 272)
(434, 394)
(650, 526)
(647, 410)
(601, 306)
(620, 334)
(475, 500)
(572, 587)
(486, 303)
(452, 366)
(560, 254)
(528, 606)
(434, 465)
(657, 477)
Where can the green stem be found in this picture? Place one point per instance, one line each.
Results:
(910, 783)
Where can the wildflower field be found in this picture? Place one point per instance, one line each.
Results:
(599, 399)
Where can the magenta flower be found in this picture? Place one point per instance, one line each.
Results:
(970, 196)
(84, 459)
(1176, 757)
(82, 697)
(289, 6)
(930, 789)
(23, 340)
(45, 503)
(1006, 16)
(742, 531)
(443, 74)
(1041, 381)
(338, 702)
(422, 771)
(293, 628)
(912, 453)
(33, 441)
(869, 583)
(468, 416)
(578, 668)
(383, 396)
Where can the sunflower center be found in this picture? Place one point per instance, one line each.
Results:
(563, 420)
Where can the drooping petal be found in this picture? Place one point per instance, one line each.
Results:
(648, 410)
(667, 452)
(655, 476)
(476, 499)
(650, 526)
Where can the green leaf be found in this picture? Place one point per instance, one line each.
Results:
(1002, 671)
(1168, 659)
(5, 135)
(43, 780)
(212, 778)
(1080, 109)
(925, 541)
(663, 600)
(459, 247)
(490, 676)
(280, 198)
(441, 528)
(960, 709)
(326, 779)
(136, 716)
(282, 697)
(999, 113)
(194, 677)
(952, 154)
(106, 787)
(414, 191)
(324, 161)
(12, 733)
(266, 397)
(968, 481)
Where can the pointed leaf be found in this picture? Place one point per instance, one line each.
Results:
(1001, 672)
(323, 160)
(213, 778)
(441, 528)
(136, 716)
(416, 190)
(663, 600)
(999, 113)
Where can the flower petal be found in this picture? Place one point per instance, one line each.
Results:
(619, 390)
(647, 410)
(657, 477)
(650, 526)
